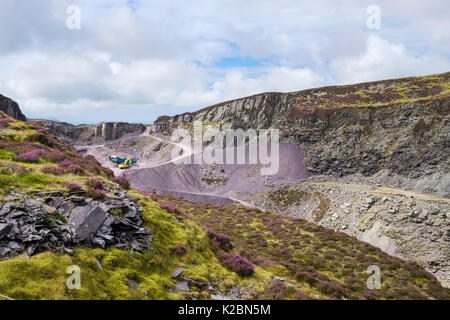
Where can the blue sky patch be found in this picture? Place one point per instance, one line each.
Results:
(235, 62)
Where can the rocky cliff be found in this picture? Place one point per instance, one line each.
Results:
(379, 157)
(91, 133)
(11, 108)
(402, 223)
(394, 127)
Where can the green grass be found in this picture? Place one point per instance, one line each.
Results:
(392, 92)
(43, 276)
(5, 155)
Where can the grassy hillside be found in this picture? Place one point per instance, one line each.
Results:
(325, 264)
(33, 160)
(317, 101)
(224, 246)
(374, 94)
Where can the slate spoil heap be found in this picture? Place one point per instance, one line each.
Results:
(52, 221)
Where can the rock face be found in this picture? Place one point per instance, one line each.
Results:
(357, 138)
(89, 134)
(50, 221)
(86, 221)
(406, 225)
(11, 108)
(400, 126)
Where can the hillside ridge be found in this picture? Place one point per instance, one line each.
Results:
(331, 88)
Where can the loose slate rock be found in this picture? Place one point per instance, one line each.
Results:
(177, 272)
(5, 228)
(27, 227)
(86, 221)
(182, 285)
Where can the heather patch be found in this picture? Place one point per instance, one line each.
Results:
(72, 186)
(179, 249)
(94, 183)
(29, 143)
(4, 122)
(122, 181)
(53, 170)
(169, 207)
(236, 263)
(96, 193)
(30, 156)
(220, 241)
(326, 263)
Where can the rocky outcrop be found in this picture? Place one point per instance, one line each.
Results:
(399, 126)
(256, 111)
(91, 134)
(358, 138)
(52, 221)
(404, 224)
(381, 139)
(11, 108)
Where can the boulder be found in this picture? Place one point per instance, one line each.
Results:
(13, 245)
(11, 108)
(5, 228)
(66, 208)
(54, 202)
(194, 283)
(182, 285)
(5, 209)
(177, 272)
(86, 221)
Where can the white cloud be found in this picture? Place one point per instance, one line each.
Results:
(382, 60)
(160, 55)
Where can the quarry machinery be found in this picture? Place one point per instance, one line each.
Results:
(127, 164)
(122, 162)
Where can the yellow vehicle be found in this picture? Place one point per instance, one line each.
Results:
(126, 164)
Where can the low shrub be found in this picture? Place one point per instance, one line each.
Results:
(4, 122)
(30, 156)
(263, 261)
(70, 167)
(122, 181)
(57, 171)
(65, 164)
(95, 184)
(179, 249)
(38, 136)
(72, 186)
(169, 207)
(149, 194)
(220, 241)
(236, 263)
(75, 169)
(96, 193)
(332, 288)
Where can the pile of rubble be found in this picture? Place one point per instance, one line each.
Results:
(52, 221)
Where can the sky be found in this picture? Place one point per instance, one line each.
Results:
(135, 60)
